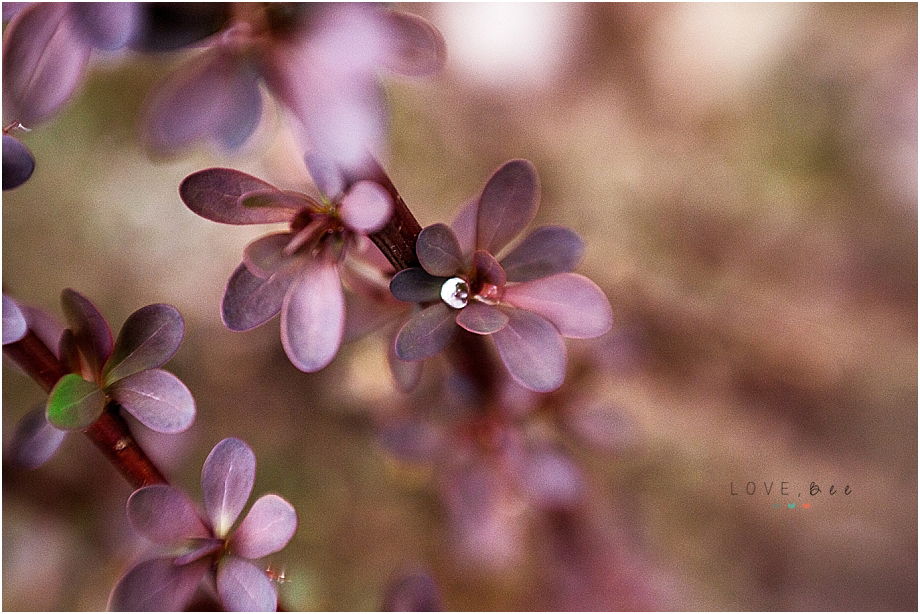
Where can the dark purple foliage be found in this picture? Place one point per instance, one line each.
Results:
(461, 283)
(166, 26)
(296, 273)
(15, 326)
(204, 543)
(18, 163)
(125, 371)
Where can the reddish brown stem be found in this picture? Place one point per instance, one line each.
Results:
(110, 433)
(397, 239)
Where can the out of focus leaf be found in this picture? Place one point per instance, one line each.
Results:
(43, 61)
(74, 403)
(226, 482)
(214, 193)
(106, 25)
(91, 332)
(439, 251)
(157, 585)
(34, 440)
(546, 251)
(45, 325)
(417, 48)
(481, 319)
(158, 399)
(313, 317)
(267, 528)
(166, 26)
(243, 587)
(532, 350)
(406, 375)
(427, 333)
(250, 301)
(15, 326)
(573, 303)
(366, 207)
(165, 515)
(415, 285)
(508, 204)
(413, 592)
(18, 163)
(148, 339)
(326, 174)
(216, 96)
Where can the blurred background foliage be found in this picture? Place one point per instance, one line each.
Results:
(745, 177)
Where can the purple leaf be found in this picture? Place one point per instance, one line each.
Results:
(413, 592)
(464, 226)
(45, 325)
(157, 398)
(326, 174)
(157, 585)
(415, 285)
(406, 375)
(106, 25)
(91, 332)
(18, 163)
(604, 426)
(508, 204)
(488, 269)
(69, 353)
(11, 9)
(251, 301)
(266, 529)
(427, 333)
(417, 48)
(34, 440)
(226, 482)
(439, 250)
(165, 515)
(215, 96)
(43, 61)
(278, 199)
(15, 326)
(532, 351)
(313, 317)
(148, 339)
(366, 207)
(546, 251)
(265, 256)
(214, 193)
(74, 403)
(481, 319)
(243, 587)
(572, 302)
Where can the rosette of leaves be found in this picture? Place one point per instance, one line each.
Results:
(526, 301)
(322, 62)
(124, 370)
(201, 544)
(297, 272)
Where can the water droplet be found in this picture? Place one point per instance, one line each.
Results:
(455, 292)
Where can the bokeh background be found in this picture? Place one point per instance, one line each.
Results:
(745, 177)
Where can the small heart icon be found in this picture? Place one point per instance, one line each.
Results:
(792, 506)
(806, 505)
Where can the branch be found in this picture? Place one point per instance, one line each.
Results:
(110, 433)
